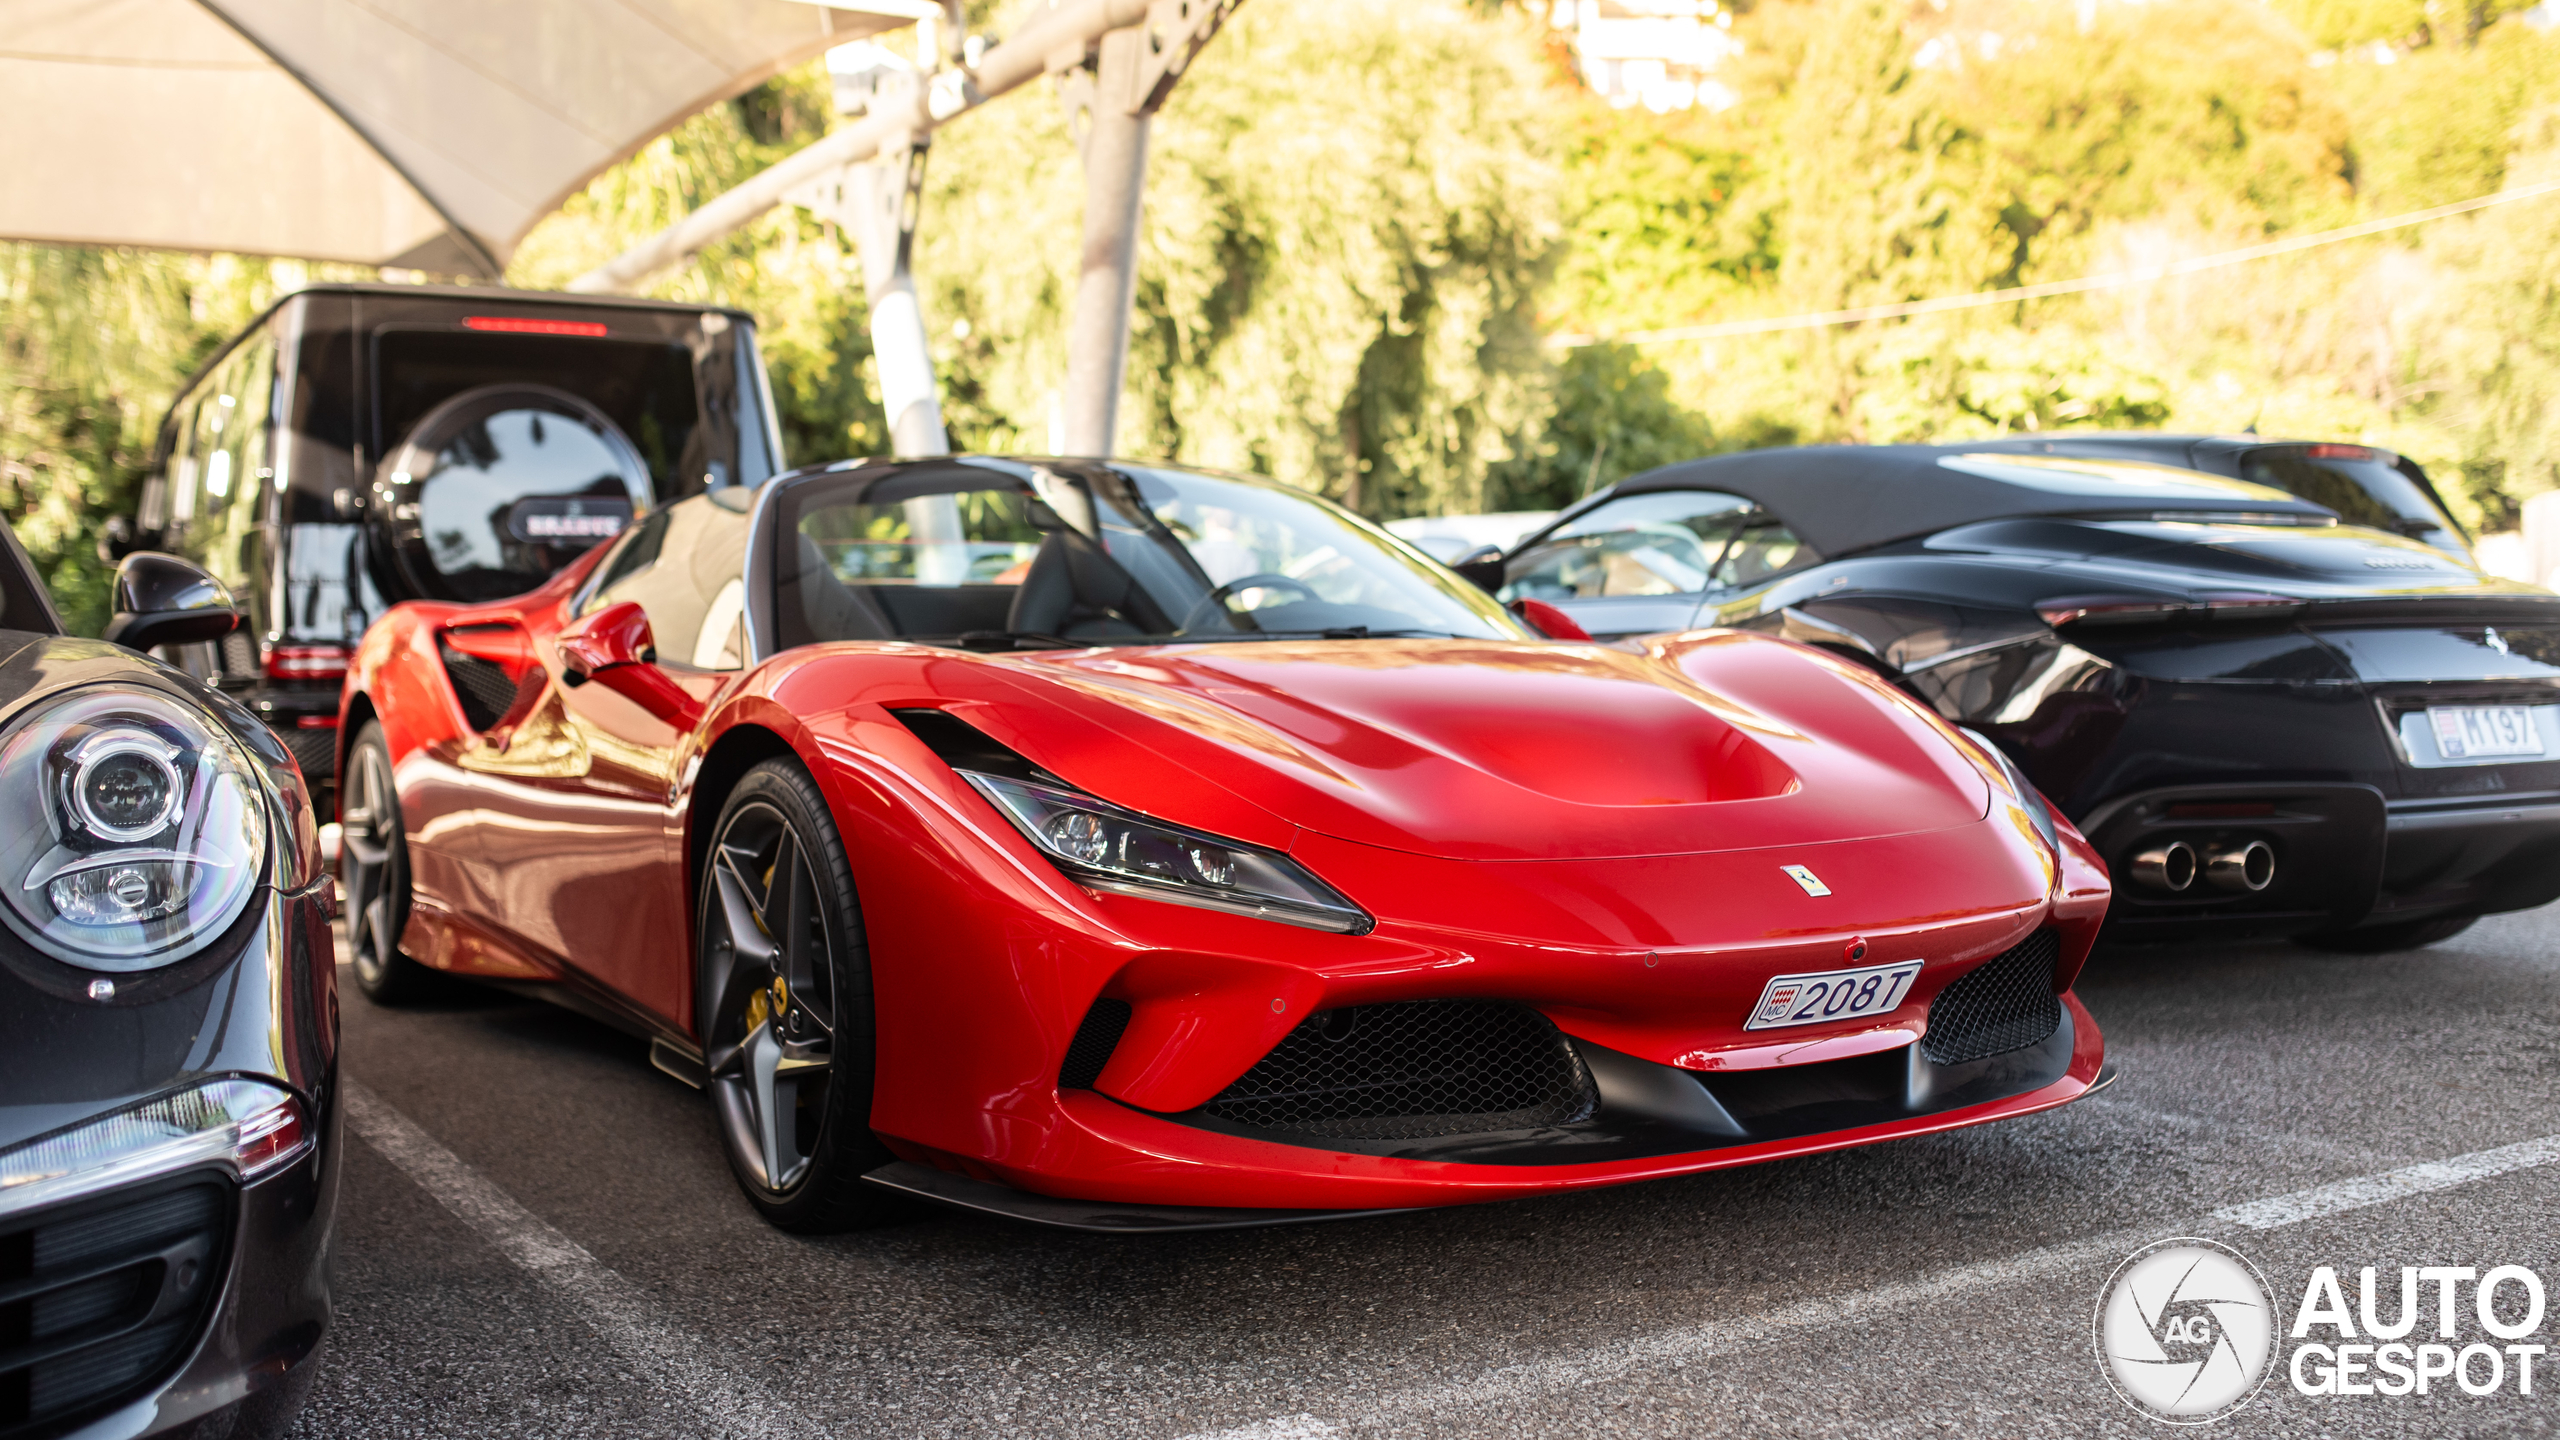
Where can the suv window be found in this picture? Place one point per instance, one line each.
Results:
(686, 566)
(646, 388)
(218, 470)
(1674, 542)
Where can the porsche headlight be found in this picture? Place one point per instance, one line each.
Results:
(140, 834)
(1109, 848)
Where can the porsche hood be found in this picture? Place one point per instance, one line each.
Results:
(1494, 750)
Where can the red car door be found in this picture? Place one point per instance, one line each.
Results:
(580, 833)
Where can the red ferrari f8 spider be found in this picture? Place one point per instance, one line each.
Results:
(1127, 847)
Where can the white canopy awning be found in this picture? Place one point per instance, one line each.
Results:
(423, 133)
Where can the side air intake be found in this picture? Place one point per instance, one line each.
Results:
(96, 1303)
(1096, 1038)
(481, 685)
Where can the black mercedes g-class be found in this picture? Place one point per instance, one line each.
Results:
(360, 445)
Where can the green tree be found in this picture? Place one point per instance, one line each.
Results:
(93, 345)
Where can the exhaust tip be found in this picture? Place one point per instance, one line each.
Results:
(2243, 868)
(2172, 867)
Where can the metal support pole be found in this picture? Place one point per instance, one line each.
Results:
(1049, 40)
(882, 200)
(1110, 99)
(1114, 140)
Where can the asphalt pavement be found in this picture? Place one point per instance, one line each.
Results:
(539, 1237)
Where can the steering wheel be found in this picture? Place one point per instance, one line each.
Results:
(1215, 599)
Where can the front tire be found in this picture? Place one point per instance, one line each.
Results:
(373, 874)
(2383, 939)
(783, 1002)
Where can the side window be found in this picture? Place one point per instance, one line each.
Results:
(1760, 547)
(218, 471)
(686, 566)
(1666, 543)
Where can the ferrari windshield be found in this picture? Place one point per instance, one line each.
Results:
(998, 554)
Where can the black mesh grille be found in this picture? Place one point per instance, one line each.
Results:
(1412, 1070)
(239, 656)
(104, 1300)
(315, 750)
(481, 686)
(1095, 1039)
(2006, 1003)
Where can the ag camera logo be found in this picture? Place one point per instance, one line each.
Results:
(2185, 1331)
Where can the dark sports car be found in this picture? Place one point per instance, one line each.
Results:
(168, 1032)
(1128, 847)
(2264, 716)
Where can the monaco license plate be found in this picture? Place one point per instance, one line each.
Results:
(2473, 732)
(1832, 995)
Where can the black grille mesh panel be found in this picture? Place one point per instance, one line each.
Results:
(2006, 1003)
(98, 1334)
(482, 686)
(1096, 1038)
(315, 750)
(1412, 1070)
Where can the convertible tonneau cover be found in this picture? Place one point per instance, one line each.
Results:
(1841, 499)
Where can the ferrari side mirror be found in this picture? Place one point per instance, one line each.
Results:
(616, 635)
(1481, 567)
(163, 600)
(614, 648)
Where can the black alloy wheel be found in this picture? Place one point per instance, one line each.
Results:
(784, 1001)
(2383, 939)
(373, 874)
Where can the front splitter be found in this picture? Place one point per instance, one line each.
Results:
(1092, 1217)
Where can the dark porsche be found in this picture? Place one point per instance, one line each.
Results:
(168, 1032)
(2266, 716)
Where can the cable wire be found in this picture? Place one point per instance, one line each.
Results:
(2114, 280)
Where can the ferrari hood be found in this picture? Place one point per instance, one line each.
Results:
(1497, 750)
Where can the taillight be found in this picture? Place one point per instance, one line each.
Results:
(306, 662)
(2342, 452)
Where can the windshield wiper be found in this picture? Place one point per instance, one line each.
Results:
(1017, 640)
(1341, 632)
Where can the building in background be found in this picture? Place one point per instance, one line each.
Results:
(1661, 54)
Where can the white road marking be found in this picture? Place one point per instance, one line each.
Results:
(1703, 1342)
(618, 1311)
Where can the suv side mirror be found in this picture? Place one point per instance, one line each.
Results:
(163, 600)
(1482, 567)
(614, 648)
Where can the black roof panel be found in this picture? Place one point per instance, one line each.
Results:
(1841, 499)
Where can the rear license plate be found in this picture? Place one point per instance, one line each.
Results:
(2473, 732)
(1832, 995)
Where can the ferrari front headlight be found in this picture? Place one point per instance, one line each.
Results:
(2029, 798)
(142, 835)
(1109, 848)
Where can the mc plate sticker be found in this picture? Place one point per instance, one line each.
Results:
(1832, 995)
